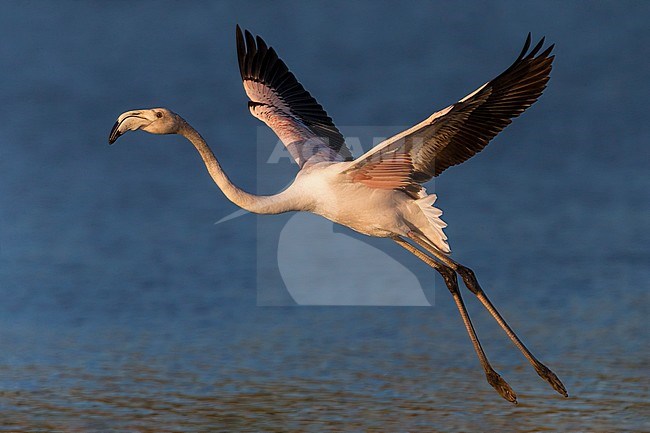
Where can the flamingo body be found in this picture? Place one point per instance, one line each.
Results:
(325, 189)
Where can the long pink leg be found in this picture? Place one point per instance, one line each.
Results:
(473, 286)
(451, 281)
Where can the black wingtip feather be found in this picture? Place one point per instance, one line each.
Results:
(261, 45)
(241, 50)
(548, 51)
(251, 50)
(525, 48)
(534, 51)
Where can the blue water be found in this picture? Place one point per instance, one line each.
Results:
(123, 307)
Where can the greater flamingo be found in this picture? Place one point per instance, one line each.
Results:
(380, 193)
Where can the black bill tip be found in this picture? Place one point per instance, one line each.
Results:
(115, 133)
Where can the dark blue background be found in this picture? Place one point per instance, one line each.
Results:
(122, 306)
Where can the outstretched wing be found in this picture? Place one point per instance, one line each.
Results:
(458, 132)
(280, 101)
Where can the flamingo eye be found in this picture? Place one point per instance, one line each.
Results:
(159, 114)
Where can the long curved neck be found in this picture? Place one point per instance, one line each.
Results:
(262, 204)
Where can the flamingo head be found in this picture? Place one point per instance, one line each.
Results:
(151, 120)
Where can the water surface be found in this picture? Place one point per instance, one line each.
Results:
(123, 307)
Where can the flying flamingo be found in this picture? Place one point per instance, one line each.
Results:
(380, 193)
